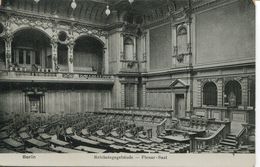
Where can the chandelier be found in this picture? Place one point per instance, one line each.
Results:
(73, 5)
(108, 10)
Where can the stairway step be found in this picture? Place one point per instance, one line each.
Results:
(229, 140)
(231, 137)
(228, 144)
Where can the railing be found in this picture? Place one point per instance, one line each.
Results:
(48, 74)
(215, 138)
(139, 111)
(211, 112)
(161, 127)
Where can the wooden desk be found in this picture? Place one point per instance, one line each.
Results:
(117, 147)
(145, 141)
(24, 135)
(58, 142)
(65, 150)
(5, 150)
(132, 149)
(45, 136)
(90, 149)
(131, 140)
(149, 151)
(83, 140)
(13, 143)
(37, 150)
(36, 142)
(5, 128)
(157, 140)
(3, 135)
(117, 140)
(101, 140)
(176, 138)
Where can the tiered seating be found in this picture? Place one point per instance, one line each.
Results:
(99, 133)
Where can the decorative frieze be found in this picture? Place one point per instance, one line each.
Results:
(31, 21)
(89, 30)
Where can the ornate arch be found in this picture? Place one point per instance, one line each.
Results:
(33, 28)
(210, 93)
(90, 35)
(203, 82)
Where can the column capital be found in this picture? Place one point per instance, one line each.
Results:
(54, 42)
(8, 38)
(70, 45)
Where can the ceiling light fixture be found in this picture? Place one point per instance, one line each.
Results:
(131, 1)
(107, 11)
(36, 1)
(73, 5)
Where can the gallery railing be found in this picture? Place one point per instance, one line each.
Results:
(214, 139)
(48, 74)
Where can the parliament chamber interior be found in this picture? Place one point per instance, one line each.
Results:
(127, 76)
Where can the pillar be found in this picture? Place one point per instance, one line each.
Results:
(106, 55)
(185, 101)
(174, 44)
(219, 85)
(135, 53)
(70, 56)
(148, 50)
(8, 50)
(135, 95)
(199, 100)
(122, 95)
(54, 47)
(189, 40)
(143, 43)
(144, 95)
(244, 87)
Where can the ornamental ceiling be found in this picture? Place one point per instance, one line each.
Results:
(93, 11)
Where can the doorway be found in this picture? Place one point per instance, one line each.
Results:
(180, 105)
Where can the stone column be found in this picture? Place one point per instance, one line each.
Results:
(135, 95)
(121, 44)
(70, 57)
(174, 44)
(122, 95)
(134, 50)
(189, 40)
(144, 95)
(105, 57)
(199, 93)
(143, 43)
(173, 104)
(220, 92)
(244, 87)
(8, 50)
(148, 50)
(54, 51)
(185, 101)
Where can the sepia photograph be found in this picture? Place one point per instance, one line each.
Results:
(154, 77)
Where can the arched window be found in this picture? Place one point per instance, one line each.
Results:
(182, 40)
(210, 94)
(233, 93)
(129, 49)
